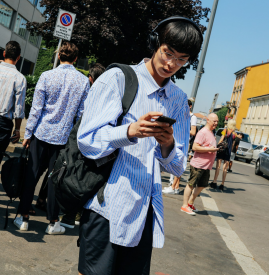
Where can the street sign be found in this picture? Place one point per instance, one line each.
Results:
(64, 25)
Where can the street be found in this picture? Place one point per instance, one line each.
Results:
(193, 245)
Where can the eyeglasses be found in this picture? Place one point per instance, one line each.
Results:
(179, 61)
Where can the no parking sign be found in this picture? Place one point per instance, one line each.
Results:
(64, 24)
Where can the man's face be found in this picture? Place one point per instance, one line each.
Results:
(213, 122)
(239, 136)
(164, 68)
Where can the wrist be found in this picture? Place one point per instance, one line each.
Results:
(130, 131)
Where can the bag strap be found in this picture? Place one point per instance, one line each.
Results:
(131, 86)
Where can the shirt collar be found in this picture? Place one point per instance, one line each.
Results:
(152, 85)
(66, 66)
(8, 65)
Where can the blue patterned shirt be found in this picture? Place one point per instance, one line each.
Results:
(59, 96)
(12, 91)
(135, 179)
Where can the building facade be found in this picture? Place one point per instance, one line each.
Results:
(14, 14)
(250, 82)
(256, 123)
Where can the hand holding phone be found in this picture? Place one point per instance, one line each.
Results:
(166, 119)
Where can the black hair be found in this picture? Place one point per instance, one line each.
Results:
(181, 36)
(189, 102)
(241, 134)
(13, 50)
(96, 70)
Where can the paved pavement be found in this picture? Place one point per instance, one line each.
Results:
(193, 245)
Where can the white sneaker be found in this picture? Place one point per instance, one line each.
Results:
(55, 229)
(169, 190)
(176, 191)
(22, 225)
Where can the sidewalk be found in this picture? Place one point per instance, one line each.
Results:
(192, 245)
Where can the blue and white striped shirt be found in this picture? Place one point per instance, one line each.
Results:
(12, 91)
(135, 178)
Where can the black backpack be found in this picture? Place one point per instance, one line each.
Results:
(13, 176)
(76, 178)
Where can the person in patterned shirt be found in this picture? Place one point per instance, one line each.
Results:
(59, 97)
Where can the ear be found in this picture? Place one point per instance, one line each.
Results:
(91, 79)
(75, 60)
(4, 54)
(59, 56)
(18, 58)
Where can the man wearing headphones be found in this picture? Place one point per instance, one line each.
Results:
(117, 236)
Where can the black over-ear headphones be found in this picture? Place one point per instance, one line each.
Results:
(153, 38)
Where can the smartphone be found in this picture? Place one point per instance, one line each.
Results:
(166, 119)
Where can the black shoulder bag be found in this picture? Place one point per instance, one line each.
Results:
(76, 178)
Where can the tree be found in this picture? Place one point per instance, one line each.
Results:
(116, 30)
(221, 115)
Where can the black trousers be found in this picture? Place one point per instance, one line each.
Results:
(98, 256)
(6, 126)
(41, 155)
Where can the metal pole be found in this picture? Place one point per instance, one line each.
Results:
(203, 53)
(56, 54)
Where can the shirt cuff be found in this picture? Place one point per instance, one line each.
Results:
(27, 134)
(158, 155)
(119, 138)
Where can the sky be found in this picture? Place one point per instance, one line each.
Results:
(239, 38)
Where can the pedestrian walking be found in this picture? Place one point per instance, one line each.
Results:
(59, 97)
(237, 140)
(173, 189)
(116, 237)
(95, 71)
(229, 135)
(12, 96)
(204, 148)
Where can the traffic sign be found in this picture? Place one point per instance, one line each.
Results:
(64, 24)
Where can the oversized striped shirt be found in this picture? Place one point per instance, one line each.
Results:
(12, 91)
(135, 179)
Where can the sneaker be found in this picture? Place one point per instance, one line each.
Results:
(229, 171)
(213, 185)
(68, 221)
(187, 210)
(192, 207)
(55, 229)
(221, 187)
(22, 223)
(169, 190)
(77, 220)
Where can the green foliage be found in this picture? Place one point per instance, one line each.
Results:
(83, 71)
(31, 83)
(221, 115)
(44, 60)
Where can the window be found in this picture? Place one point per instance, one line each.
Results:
(41, 9)
(260, 112)
(5, 14)
(246, 138)
(27, 67)
(34, 39)
(20, 26)
(254, 111)
(266, 110)
(258, 147)
(32, 1)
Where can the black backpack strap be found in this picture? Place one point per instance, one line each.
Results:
(131, 86)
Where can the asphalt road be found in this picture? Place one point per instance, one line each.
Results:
(193, 245)
(244, 204)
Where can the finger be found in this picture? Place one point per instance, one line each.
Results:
(150, 115)
(153, 124)
(151, 130)
(169, 129)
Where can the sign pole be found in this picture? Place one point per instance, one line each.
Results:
(56, 54)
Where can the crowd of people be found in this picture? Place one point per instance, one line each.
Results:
(117, 235)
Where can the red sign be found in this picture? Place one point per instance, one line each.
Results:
(66, 19)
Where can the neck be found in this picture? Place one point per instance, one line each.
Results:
(208, 127)
(10, 61)
(150, 66)
(66, 63)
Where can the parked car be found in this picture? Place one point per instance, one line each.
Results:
(245, 150)
(254, 146)
(262, 163)
(259, 149)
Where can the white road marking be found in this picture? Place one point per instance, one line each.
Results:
(232, 240)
